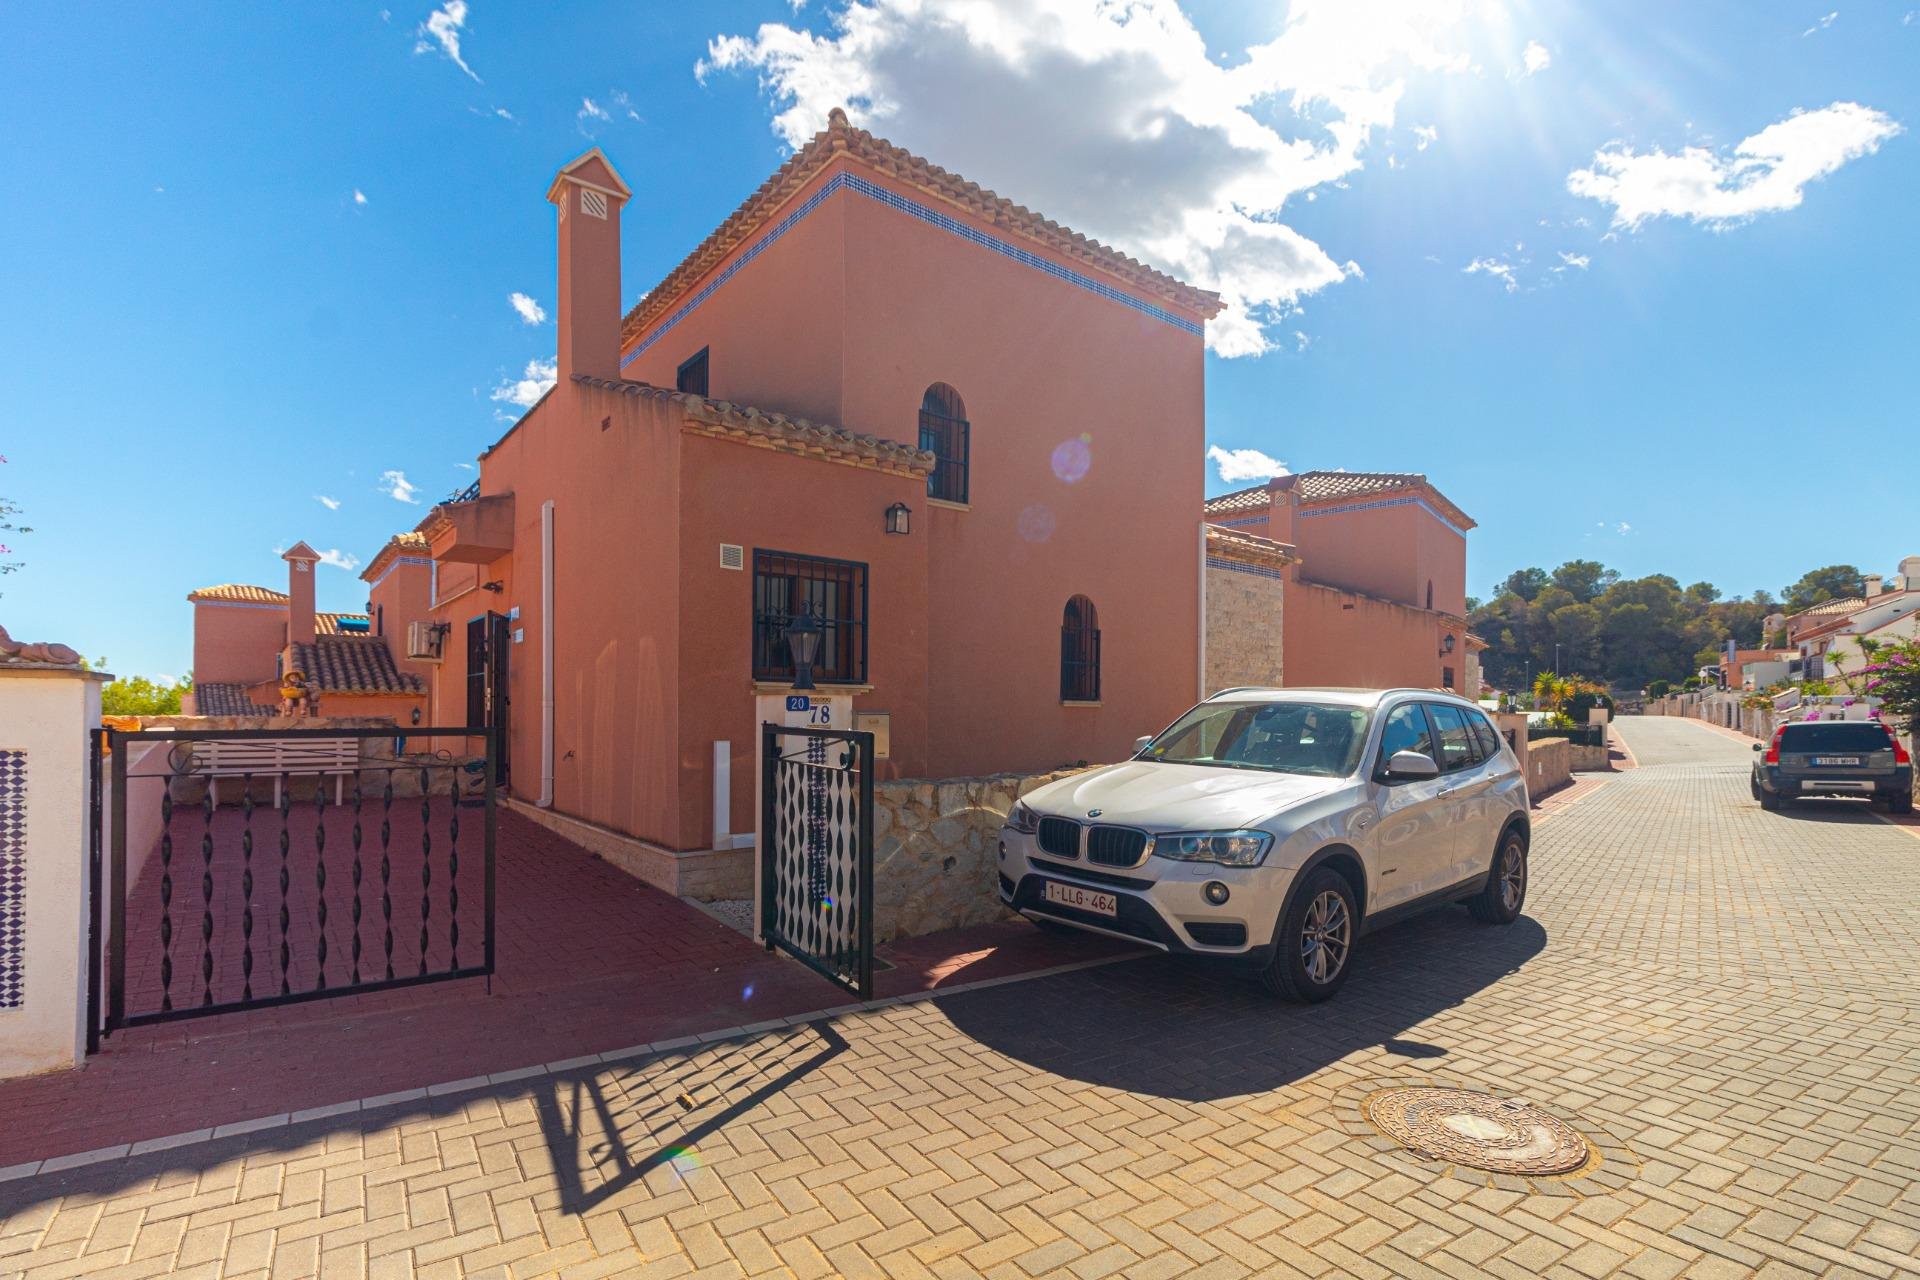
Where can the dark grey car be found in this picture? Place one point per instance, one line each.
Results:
(1834, 758)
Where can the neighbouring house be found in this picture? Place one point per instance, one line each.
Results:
(246, 638)
(968, 439)
(1742, 668)
(1824, 636)
(1339, 578)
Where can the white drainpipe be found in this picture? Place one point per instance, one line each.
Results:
(1202, 675)
(546, 655)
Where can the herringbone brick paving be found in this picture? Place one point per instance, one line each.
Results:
(1725, 993)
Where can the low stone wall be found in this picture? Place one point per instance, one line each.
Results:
(936, 854)
(1549, 765)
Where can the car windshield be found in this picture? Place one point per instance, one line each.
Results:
(1835, 735)
(1316, 738)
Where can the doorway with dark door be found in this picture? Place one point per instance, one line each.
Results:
(489, 637)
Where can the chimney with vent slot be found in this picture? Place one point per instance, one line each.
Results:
(1872, 585)
(588, 195)
(300, 560)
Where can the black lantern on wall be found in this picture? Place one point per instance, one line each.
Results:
(803, 641)
(899, 518)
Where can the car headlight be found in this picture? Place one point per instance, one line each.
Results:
(1227, 848)
(1023, 819)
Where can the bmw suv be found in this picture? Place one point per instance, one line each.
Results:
(1273, 827)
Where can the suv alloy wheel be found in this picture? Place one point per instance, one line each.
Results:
(1314, 949)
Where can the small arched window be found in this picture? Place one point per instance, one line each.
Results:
(1080, 652)
(944, 430)
(1429, 593)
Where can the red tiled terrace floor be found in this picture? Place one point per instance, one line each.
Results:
(589, 960)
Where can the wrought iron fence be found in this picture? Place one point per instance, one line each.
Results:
(254, 867)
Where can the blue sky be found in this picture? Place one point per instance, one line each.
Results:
(259, 256)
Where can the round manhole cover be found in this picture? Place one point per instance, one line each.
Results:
(1499, 1135)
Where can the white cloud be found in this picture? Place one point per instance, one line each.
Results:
(396, 486)
(1623, 528)
(1499, 268)
(444, 27)
(530, 311)
(526, 390)
(1236, 465)
(1765, 173)
(1424, 135)
(1821, 25)
(1579, 261)
(1535, 58)
(359, 196)
(340, 559)
(591, 110)
(1114, 119)
(331, 504)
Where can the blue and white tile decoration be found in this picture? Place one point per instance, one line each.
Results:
(13, 879)
(1234, 566)
(932, 217)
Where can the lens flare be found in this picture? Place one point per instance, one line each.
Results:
(1036, 523)
(1072, 458)
(683, 1159)
(747, 992)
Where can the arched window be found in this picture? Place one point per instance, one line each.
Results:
(943, 429)
(1429, 593)
(1080, 652)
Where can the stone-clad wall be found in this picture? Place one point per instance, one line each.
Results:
(936, 850)
(1243, 625)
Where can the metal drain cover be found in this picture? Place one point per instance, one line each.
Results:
(1479, 1130)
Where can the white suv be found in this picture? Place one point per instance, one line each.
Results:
(1274, 826)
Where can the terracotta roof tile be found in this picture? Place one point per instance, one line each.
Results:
(353, 664)
(1330, 486)
(725, 420)
(1239, 500)
(1247, 548)
(239, 593)
(840, 139)
(328, 624)
(1846, 605)
(226, 700)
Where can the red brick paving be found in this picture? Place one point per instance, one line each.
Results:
(589, 960)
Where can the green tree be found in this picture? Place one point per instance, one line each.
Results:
(1816, 586)
(1525, 583)
(1584, 579)
(140, 696)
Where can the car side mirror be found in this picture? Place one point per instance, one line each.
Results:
(1756, 746)
(1142, 743)
(1411, 766)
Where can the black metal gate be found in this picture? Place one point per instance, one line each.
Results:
(816, 851)
(241, 868)
(489, 641)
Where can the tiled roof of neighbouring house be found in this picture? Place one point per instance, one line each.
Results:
(410, 543)
(328, 624)
(1239, 500)
(1247, 548)
(1847, 605)
(1330, 486)
(724, 420)
(839, 139)
(239, 593)
(352, 664)
(226, 700)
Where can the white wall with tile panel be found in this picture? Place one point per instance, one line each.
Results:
(45, 715)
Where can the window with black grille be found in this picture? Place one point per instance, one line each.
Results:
(692, 376)
(1080, 652)
(837, 590)
(944, 432)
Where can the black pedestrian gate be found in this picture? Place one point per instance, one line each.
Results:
(816, 851)
(241, 868)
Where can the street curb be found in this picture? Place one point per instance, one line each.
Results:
(470, 1084)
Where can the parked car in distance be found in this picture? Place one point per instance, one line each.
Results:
(1834, 758)
(1273, 827)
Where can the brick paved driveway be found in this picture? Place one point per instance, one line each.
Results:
(1726, 997)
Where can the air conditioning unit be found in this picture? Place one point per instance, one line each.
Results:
(424, 640)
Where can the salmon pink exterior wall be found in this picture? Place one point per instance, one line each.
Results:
(845, 317)
(1390, 548)
(235, 643)
(401, 593)
(1335, 637)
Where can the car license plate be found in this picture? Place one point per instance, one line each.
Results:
(1836, 759)
(1072, 895)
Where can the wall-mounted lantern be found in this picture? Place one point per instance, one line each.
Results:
(803, 641)
(899, 518)
(1446, 646)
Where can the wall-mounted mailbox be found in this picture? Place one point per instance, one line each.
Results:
(877, 723)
